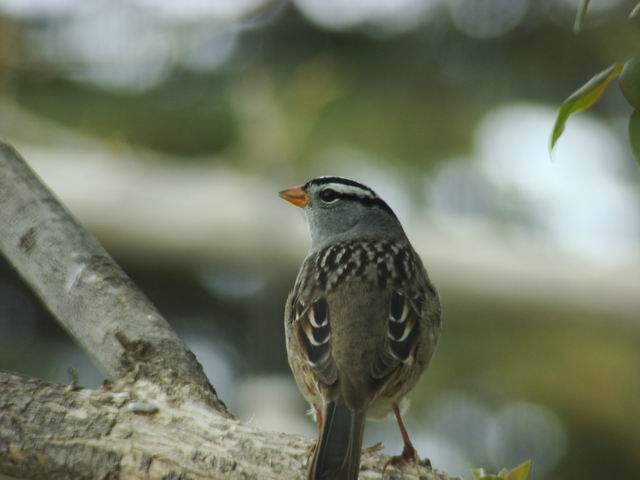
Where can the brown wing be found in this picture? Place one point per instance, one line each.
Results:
(403, 331)
(313, 332)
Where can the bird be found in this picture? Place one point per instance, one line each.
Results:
(362, 321)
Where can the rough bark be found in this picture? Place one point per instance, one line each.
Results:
(136, 431)
(85, 289)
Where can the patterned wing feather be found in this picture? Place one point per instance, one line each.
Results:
(313, 332)
(403, 331)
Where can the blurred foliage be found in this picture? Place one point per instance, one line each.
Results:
(583, 98)
(634, 133)
(294, 88)
(582, 11)
(630, 82)
(150, 118)
(568, 357)
(590, 92)
(521, 472)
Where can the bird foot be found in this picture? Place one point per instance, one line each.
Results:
(408, 455)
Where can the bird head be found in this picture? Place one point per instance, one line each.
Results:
(338, 209)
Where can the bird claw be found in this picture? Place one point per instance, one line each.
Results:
(408, 455)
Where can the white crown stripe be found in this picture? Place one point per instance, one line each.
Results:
(350, 190)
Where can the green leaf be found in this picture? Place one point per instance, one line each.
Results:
(480, 474)
(634, 134)
(521, 472)
(635, 11)
(580, 14)
(630, 81)
(583, 98)
(477, 473)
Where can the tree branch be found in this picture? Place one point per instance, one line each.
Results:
(85, 289)
(132, 432)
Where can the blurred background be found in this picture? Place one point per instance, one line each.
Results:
(169, 127)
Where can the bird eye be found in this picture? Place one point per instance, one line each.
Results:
(328, 195)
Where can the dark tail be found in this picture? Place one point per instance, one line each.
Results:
(337, 454)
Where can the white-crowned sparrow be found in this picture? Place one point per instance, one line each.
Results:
(362, 321)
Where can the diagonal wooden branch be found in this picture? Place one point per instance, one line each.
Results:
(137, 432)
(85, 289)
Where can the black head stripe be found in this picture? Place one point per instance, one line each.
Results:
(371, 200)
(340, 181)
(367, 201)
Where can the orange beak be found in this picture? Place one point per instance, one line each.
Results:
(295, 195)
